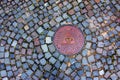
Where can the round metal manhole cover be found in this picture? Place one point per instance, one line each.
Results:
(68, 39)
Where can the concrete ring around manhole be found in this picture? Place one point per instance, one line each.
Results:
(68, 39)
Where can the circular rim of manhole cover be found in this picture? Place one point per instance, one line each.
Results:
(69, 39)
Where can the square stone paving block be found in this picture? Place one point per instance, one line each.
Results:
(34, 67)
(88, 45)
(40, 30)
(44, 48)
(29, 39)
(6, 54)
(61, 57)
(26, 27)
(47, 55)
(23, 59)
(36, 42)
(52, 60)
(47, 67)
(23, 51)
(80, 72)
(7, 61)
(1, 54)
(50, 33)
(78, 57)
(91, 58)
(51, 48)
(88, 74)
(38, 73)
(9, 40)
(114, 76)
(24, 76)
(84, 61)
(46, 25)
(90, 13)
(38, 49)
(3, 73)
(101, 72)
(63, 67)
(118, 73)
(43, 61)
(48, 40)
(2, 48)
(34, 35)
(99, 50)
(31, 7)
(25, 45)
(84, 52)
(5, 78)
(29, 72)
(29, 51)
(58, 19)
(14, 43)
(57, 64)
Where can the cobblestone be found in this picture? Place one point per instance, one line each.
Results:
(43, 61)
(89, 37)
(80, 72)
(88, 45)
(114, 76)
(84, 52)
(48, 40)
(68, 71)
(38, 73)
(118, 52)
(50, 33)
(47, 67)
(118, 28)
(51, 48)
(84, 61)
(101, 72)
(40, 30)
(61, 57)
(29, 72)
(52, 60)
(44, 48)
(5, 78)
(99, 50)
(31, 7)
(57, 64)
(100, 44)
(63, 67)
(58, 19)
(91, 58)
(95, 73)
(3, 73)
(2, 49)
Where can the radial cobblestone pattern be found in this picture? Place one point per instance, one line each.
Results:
(69, 39)
(27, 29)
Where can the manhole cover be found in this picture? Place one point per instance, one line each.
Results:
(68, 39)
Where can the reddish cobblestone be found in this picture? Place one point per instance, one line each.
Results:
(71, 12)
(97, 1)
(36, 41)
(90, 13)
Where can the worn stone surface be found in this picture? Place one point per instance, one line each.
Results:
(27, 29)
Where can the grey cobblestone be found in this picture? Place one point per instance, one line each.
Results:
(27, 49)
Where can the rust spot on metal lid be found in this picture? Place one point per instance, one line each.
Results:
(68, 39)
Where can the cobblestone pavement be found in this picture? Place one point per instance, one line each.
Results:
(27, 28)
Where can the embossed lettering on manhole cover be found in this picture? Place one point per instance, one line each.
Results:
(68, 39)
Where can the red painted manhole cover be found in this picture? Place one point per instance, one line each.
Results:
(68, 39)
